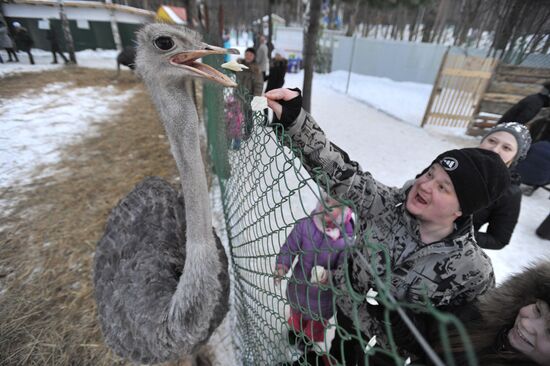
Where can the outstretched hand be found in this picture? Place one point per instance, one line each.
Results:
(273, 96)
(279, 273)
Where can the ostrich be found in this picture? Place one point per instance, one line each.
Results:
(160, 273)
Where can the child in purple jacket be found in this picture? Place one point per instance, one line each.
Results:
(319, 243)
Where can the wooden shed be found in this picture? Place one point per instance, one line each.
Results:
(508, 86)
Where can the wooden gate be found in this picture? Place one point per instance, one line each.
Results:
(458, 88)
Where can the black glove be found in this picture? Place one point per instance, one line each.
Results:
(291, 110)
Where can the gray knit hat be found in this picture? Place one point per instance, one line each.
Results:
(520, 132)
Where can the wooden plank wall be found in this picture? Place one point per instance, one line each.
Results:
(509, 85)
(457, 90)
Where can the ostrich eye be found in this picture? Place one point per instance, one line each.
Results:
(164, 43)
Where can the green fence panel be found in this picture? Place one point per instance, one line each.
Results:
(265, 192)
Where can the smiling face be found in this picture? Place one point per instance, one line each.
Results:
(531, 332)
(432, 198)
(503, 143)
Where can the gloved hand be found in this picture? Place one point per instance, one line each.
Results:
(286, 105)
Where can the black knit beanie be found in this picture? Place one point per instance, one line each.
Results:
(479, 177)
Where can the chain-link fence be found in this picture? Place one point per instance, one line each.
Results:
(286, 237)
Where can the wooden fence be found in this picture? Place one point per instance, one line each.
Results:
(458, 89)
(507, 87)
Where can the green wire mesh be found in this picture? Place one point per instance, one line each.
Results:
(265, 192)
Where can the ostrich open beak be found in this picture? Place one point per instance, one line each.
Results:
(187, 60)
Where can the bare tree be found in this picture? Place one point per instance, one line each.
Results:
(310, 47)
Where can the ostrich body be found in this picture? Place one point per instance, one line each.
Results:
(160, 273)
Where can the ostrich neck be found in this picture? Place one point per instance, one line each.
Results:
(198, 288)
(180, 119)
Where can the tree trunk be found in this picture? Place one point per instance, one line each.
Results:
(337, 13)
(221, 22)
(401, 21)
(441, 21)
(394, 19)
(67, 32)
(353, 19)
(269, 28)
(206, 18)
(192, 20)
(310, 48)
(428, 27)
(330, 14)
(506, 24)
(412, 26)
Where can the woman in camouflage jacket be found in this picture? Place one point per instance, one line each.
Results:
(417, 242)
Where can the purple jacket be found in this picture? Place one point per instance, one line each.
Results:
(314, 248)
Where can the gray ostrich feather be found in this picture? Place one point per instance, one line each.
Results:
(160, 272)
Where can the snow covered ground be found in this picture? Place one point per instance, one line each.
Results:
(103, 59)
(404, 100)
(35, 125)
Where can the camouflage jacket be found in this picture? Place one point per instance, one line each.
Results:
(452, 271)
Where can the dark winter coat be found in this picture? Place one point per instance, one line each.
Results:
(452, 271)
(127, 57)
(526, 109)
(251, 79)
(313, 248)
(489, 320)
(540, 129)
(51, 35)
(502, 216)
(535, 168)
(23, 39)
(277, 72)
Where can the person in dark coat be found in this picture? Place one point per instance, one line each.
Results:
(251, 80)
(7, 43)
(23, 40)
(535, 169)
(510, 324)
(277, 71)
(527, 108)
(126, 57)
(54, 45)
(511, 141)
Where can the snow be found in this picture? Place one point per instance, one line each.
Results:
(35, 125)
(406, 101)
(101, 59)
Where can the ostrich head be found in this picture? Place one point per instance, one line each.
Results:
(171, 52)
